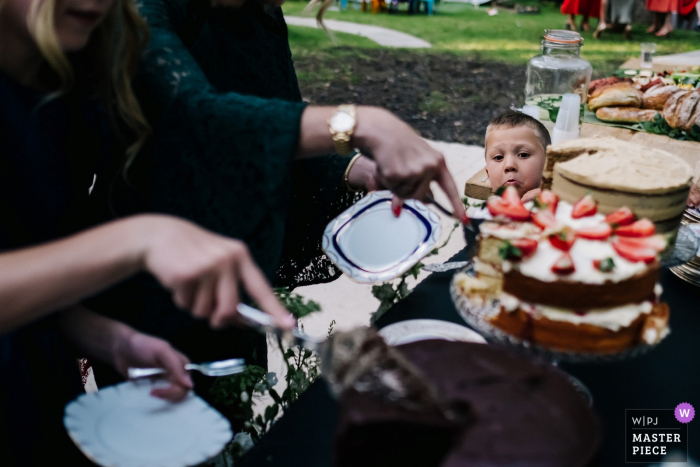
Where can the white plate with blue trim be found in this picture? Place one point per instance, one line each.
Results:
(369, 244)
(124, 426)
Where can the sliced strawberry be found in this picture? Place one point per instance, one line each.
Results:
(544, 219)
(655, 242)
(633, 253)
(516, 212)
(510, 196)
(623, 216)
(640, 228)
(596, 232)
(527, 246)
(564, 265)
(584, 207)
(563, 240)
(548, 200)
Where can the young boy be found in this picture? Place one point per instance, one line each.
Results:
(515, 153)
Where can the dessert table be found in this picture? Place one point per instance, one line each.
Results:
(660, 379)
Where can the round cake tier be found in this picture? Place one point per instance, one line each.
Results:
(580, 296)
(566, 336)
(662, 208)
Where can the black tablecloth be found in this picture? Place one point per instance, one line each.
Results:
(661, 379)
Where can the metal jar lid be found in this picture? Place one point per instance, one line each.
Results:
(562, 36)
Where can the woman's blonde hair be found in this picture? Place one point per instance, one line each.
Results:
(107, 67)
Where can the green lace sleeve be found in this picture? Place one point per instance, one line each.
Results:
(222, 160)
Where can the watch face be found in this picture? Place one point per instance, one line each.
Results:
(341, 122)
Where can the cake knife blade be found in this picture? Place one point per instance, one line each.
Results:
(265, 323)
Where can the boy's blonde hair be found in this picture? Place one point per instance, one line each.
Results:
(513, 119)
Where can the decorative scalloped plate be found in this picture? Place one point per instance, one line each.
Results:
(414, 330)
(369, 244)
(124, 426)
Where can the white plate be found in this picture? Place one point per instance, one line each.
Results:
(369, 244)
(414, 330)
(124, 426)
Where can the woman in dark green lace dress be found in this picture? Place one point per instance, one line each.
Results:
(233, 150)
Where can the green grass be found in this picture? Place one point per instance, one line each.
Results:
(462, 29)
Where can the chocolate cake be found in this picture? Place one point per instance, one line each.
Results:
(387, 401)
(520, 414)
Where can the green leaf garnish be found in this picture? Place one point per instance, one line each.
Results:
(606, 265)
(509, 251)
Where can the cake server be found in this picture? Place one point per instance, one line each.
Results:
(442, 267)
(220, 368)
(429, 199)
(264, 323)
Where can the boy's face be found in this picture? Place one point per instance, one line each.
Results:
(514, 157)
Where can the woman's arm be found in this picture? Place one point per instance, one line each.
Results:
(120, 346)
(229, 132)
(203, 270)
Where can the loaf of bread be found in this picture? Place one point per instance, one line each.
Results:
(603, 82)
(695, 119)
(625, 114)
(672, 108)
(615, 95)
(656, 96)
(687, 109)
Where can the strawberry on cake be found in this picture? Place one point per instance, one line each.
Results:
(572, 279)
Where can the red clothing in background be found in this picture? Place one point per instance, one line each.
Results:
(589, 8)
(662, 6)
(685, 7)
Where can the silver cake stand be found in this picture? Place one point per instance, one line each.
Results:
(478, 316)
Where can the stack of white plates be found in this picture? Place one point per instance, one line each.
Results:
(690, 271)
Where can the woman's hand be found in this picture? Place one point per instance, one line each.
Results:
(694, 196)
(134, 349)
(204, 271)
(362, 175)
(119, 345)
(406, 164)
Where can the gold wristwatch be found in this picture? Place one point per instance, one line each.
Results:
(342, 125)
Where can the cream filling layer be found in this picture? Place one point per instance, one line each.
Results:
(614, 318)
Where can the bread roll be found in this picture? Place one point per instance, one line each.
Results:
(615, 95)
(672, 107)
(694, 119)
(656, 97)
(625, 114)
(687, 110)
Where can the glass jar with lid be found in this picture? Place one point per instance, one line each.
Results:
(559, 70)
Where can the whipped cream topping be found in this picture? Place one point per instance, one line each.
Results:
(539, 265)
(614, 318)
(583, 252)
(563, 215)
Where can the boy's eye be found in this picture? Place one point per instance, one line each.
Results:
(499, 157)
(523, 155)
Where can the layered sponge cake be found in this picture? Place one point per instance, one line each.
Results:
(572, 278)
(651, 182)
